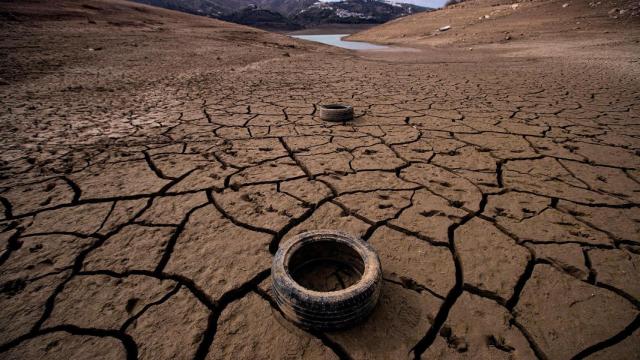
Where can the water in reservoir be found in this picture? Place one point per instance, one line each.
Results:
(336, 40)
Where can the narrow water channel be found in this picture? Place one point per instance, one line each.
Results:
(336, 40)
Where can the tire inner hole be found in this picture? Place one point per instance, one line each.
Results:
(326, 266)
(334, 106)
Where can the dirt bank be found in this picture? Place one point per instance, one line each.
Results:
(477, 22)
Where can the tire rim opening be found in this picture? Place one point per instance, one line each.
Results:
(335, 107)
(326, 266)
(336, 112)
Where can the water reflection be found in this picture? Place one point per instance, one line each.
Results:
(336, 40)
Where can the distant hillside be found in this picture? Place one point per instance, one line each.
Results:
(354, 12)
(292, 14)
(216, 8)
(211, 8)
(262, 18)
(285, 7)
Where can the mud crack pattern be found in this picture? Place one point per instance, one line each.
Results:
(503, 205)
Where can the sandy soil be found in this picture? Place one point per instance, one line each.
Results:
(151, 163)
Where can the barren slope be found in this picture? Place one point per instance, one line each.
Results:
(495, 21)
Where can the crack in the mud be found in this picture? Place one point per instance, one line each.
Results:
(220, 304)
(455, 292)
(128, 343)
(626, 332)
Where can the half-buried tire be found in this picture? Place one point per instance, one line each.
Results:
(303, 274)
(336, 112)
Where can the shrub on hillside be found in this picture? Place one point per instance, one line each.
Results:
(452, 2)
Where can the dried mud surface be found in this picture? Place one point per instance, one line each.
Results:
(152, 162)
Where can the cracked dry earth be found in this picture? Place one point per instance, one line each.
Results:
(141, 208)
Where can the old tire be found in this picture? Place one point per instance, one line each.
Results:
(336, 112)
(326, 310)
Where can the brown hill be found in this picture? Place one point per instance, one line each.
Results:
(141, 42)
(491, 21)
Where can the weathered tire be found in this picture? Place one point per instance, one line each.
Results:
(330, 310)
(336, 112)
